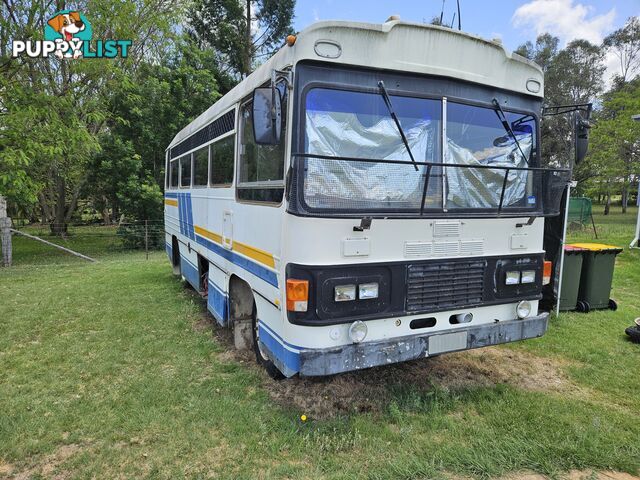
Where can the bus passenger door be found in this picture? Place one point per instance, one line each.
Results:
(227, 229)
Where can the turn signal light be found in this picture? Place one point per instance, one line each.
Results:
(546, 272)
(297, 295)
(291, 40)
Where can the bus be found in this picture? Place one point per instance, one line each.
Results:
(372, 194)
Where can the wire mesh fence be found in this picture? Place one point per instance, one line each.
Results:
(91, 239)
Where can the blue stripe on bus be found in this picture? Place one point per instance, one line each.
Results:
(183, 204)
(190, 272)
(170, 195)
(190, 227)
(179, 213)
(278, 337)
(184, 213)
(258, 270)
(180, 206)
(277, 347)
(217, 303)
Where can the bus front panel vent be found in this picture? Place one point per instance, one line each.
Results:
(417, 249)
(438, 286)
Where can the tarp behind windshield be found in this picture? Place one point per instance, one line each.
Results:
(341, 123)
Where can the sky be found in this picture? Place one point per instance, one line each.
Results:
(513, 21)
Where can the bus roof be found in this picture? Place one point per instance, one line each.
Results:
(393, 45)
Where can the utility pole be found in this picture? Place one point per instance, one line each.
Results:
(146, 239)
(5, 233)
(635, 243)
(249, 40)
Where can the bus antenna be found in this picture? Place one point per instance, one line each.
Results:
(459, 19)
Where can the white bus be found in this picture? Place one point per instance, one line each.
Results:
(371, 194)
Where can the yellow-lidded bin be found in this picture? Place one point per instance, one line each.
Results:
(571, 271)
(597, 275)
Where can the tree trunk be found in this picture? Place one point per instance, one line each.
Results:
(625, 197)
(59, 224)
(45, 208)
(106, 216)
(248, 40)
(607, 205)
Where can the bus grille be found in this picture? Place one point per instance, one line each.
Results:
(437, 286)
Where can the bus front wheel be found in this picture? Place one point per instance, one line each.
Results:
(261, 356)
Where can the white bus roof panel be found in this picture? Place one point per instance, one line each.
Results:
(393, 45)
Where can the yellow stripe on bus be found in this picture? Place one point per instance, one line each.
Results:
(255, 253)
(252, 252)
(207, 234)
(169, 201)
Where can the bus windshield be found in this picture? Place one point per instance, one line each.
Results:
(349, 125)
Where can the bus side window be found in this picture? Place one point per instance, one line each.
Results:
(261, 167)
(200, 167)
(185, 171)
(222, 161)
(173, 174)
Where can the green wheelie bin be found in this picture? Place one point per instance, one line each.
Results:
(571, 270)
(597, 274)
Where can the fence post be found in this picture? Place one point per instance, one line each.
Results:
(146, 238)
(5, 233)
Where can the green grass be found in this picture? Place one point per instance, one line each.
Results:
(102, 374)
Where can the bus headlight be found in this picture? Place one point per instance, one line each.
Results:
(512, 278)
(367, 291)
(528, 276)
(358, 331)
(344, 293)
(523, 309)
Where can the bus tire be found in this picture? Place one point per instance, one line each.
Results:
(175, 253)
(261, 357)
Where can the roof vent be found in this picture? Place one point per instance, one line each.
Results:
(393, 18)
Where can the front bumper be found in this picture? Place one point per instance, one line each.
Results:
(329, 361)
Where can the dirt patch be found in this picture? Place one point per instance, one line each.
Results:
(494, 365)
(5, 469)
(572, 475)
(202, 324)
(48, 465)
(368, 390)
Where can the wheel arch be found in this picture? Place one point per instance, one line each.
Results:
(241, 299)
(175, 254)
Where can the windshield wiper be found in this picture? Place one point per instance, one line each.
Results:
(387, 101)
(505, 123)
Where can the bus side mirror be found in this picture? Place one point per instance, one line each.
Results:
(267, 116)
(582, 127)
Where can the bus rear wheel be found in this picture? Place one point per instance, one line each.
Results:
(261, 356)
(175, 253)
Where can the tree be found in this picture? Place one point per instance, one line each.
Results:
(625, 44)
(543, 52)
(241, 32)
(615, 144)
(45, 130)
(60, 103)
(147, 109)
(572, 75)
